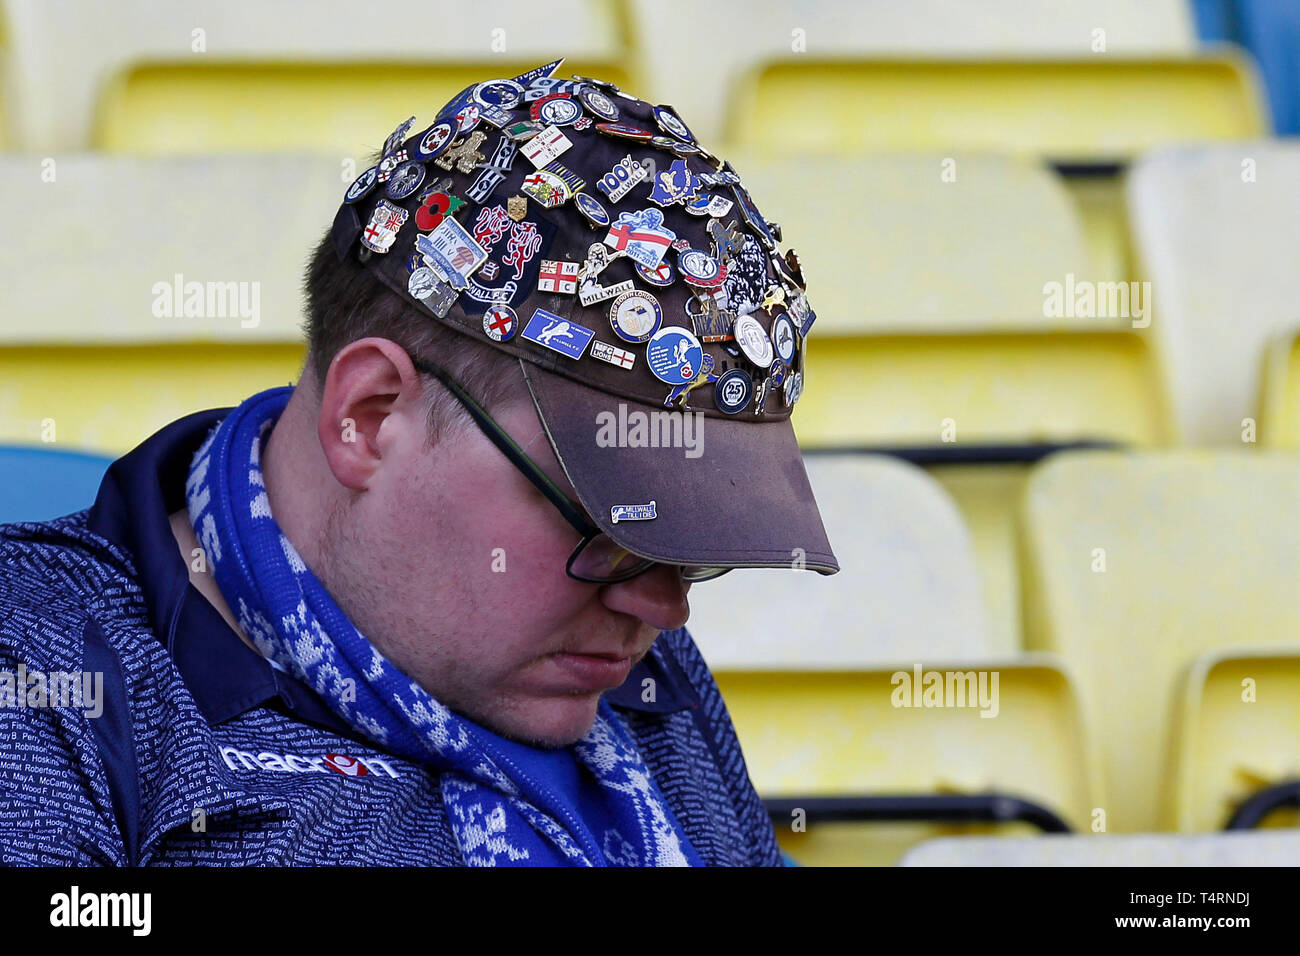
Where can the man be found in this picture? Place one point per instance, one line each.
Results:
(427, 607)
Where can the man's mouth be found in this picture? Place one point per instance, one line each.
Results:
(599, 671)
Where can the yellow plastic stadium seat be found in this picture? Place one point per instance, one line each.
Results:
(1099, 200)
(694, 68)
(908, 586)
(70, 51)
(1088, 109)
(915, 392)
(1137, 563)
(897, 244)
(1214, 232)
(109, 398)
(835, 733)
(912, 390)
(1238, 734)
(179, 293)
(805, 663)
(1093, 108)
(6, 84)
(1279, 404)
(986, 494)
(930, 296)
(182, 249)
(340, 109)
(1206, 850)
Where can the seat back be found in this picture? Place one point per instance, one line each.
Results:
(1137, 563)
(1208, 226)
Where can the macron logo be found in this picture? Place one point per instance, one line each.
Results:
(297, 763)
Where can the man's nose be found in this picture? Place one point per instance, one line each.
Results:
(657, 597)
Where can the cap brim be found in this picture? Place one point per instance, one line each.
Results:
(726, 493)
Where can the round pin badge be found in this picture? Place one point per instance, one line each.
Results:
(698, 268)
(662, 274)
(390, 163)
(468, 118)
(635, 316)
(793, 389)
(783, 338)
(597, 103)
(674, 355)
(776, 375)
(753, 341)
(732, 391)
(591, 209)
(558, 109)
(669, 123)
(503, 94)
(435, 140)
(500, 323)
(405, 180)
(421, 282)
(625, 131)
(362, 185)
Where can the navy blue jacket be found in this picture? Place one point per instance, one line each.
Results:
(206, 754)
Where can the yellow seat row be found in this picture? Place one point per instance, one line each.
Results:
(163, 64)
(1160, 691)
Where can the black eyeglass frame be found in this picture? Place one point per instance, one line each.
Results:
(542, 482)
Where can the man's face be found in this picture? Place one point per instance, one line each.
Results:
(453, 565)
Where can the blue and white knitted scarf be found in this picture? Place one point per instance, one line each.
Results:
(502, 807)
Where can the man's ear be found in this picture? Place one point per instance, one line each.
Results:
(368, 381)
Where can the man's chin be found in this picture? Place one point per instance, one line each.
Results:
(549, 723)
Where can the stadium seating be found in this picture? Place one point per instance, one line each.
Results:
(1135, 565)
(1203, 850)
(936, 165)
(909, 587)
(1088, 112)
(1213, 230)
(807, 665)
(829, 734)
(1278, 425)
(696, 68)
(162, 90)
(930, 302)
(1010, 399)
(1237, 737)
(205, 310)
(107, 398)
(343, 109)
(923, 242)
(1086, 109)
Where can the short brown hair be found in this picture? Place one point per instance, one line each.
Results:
(346, 302)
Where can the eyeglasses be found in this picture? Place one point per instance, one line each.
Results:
(597, 559)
